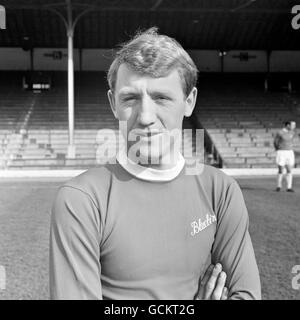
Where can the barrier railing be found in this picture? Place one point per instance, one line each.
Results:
(214, 158)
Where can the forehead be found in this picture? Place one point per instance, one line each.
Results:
(131, 79)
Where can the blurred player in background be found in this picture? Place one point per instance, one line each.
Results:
(285, 157)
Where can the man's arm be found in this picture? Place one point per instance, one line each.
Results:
(233, 248)
(276, 141)
(74, 246)
(296, 142)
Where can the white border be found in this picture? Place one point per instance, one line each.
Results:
(256, 171)
(72, 173)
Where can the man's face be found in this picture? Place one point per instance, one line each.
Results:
(152, 108)
(293, 125)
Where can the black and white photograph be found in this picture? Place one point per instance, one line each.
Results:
(150, 150)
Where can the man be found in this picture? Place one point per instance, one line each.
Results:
(285, 158)
(140, 227)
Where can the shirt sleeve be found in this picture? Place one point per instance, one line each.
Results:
(75, 235)
(276, 141)
(233, 247)
(297, 142)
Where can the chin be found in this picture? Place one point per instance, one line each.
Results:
(150, 155)
(157, 156)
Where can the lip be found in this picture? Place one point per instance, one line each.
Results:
(146, 134)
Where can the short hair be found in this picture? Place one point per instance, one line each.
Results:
(156, 55)
(286, 123)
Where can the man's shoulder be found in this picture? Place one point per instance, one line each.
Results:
(280, 132)
(217, 186)
(213, 176)
(95, 180)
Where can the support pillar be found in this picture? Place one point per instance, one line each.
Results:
(70, 33)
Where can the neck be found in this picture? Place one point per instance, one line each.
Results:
(161, 172)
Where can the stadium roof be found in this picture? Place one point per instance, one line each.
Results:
(202, 24)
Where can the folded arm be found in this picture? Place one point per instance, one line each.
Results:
(75, 234)
(233, 247)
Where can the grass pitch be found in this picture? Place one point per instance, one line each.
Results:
(24, 235)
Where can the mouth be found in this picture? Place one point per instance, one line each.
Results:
(146, 134)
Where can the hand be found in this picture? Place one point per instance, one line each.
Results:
(212, 286)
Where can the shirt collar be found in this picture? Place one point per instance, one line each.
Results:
(150, 174)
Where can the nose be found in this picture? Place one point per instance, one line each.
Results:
(146, 112)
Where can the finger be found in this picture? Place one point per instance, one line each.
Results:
(203, 282)
(224, 294)
(217, 293)
(207, 274)
(211, 283)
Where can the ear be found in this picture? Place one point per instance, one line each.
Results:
(111, 99)
(190, 102)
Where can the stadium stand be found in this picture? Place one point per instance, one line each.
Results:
(238, 116)
(241, 119)
(34, 125)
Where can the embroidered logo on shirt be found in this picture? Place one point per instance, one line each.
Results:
(201, 225)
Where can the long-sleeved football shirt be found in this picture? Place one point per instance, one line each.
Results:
(284, 139)
(115, 236)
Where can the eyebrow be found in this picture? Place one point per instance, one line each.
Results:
(123, 95)
(126, 92)
(163, 93)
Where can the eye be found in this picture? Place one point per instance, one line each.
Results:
(129, 99)
(161, 98)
